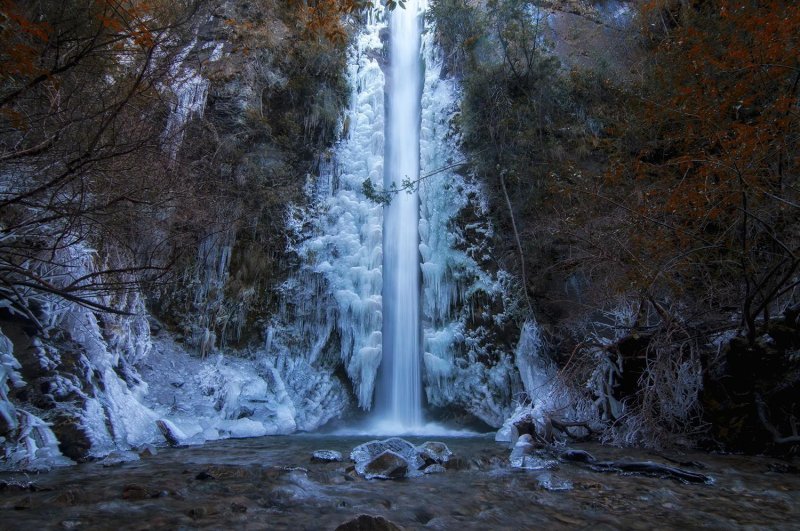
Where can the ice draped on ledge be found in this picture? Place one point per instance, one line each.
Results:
(333, 306)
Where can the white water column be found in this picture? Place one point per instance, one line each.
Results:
(400, 394)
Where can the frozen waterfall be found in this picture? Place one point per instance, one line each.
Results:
(401, 301)
(399, 397)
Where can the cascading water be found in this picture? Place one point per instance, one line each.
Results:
(400, 393)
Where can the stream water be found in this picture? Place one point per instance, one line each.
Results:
(271, 483)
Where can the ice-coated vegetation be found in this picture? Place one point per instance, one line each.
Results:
(332, 307)
(100, 385)
(461, 364)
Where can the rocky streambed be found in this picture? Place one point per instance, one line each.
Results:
(279, 483)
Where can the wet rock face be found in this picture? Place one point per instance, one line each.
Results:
(397, 458)
(171, 433)
(73, 441)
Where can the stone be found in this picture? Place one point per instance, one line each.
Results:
(522, 447)
(369, 450)
(117, 457)
(524, 455)
(434, 452)
(365, 522)
(577, 456)
(172, 434)
(147, 450)
(135, 491)
(434, 469)
(504, 433)
(457, 463)
(326, 456)
(386, 465)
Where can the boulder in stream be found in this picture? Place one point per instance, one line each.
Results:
(386, 465)
(434, 452)
(416, 458)
(369, 450)
(526, 455)
(326, 456)
(434, 469)
(172, 434)
(366, 522)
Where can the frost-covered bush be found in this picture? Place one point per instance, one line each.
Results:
(643, 376)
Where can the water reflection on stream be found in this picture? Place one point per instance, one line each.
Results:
(270, 483)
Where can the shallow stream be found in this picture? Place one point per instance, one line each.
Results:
(270, 483)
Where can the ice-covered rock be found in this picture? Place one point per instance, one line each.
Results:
(9, 375)
(118, 457)
(504, 433)
(434, 452)
(173, 434)
(427, 458)
(224, 396)
(464, 365)
(524, 446)
(77, 364)
(434, 469)
(385, 465)
(326, 456)
(525, 454)
(332, 308)
(369, 450)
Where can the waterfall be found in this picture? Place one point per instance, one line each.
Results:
(400, 393)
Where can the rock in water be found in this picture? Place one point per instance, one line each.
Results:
(434, 452)
(365, 522)
(117, 457)
(577, 456)
(386, 459)
(386, 465)
(434, 469)
(524, 455)
(173, 435)
(326, 456)
(147, 450)
(369, 450)
(523, 447)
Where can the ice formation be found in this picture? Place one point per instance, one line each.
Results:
(191, 92)
(334, 307)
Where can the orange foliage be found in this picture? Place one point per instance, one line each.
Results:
(324, 17)
(722, 164)
(21, 41)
